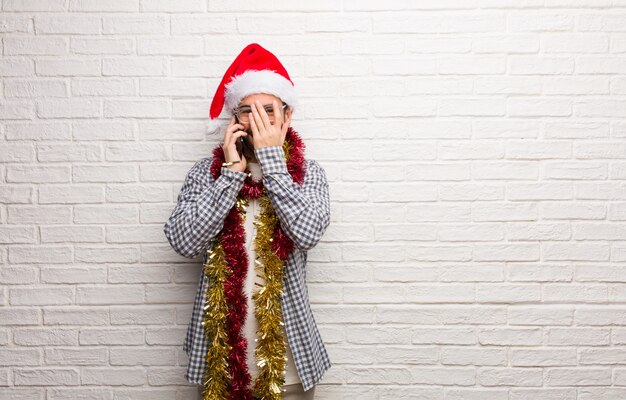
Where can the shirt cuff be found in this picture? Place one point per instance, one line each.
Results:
(234, 175)
(272, 159)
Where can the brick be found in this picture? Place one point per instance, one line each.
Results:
(34, 5)
(42, 296)
(80, 393)
(34, 89)
(577, 376)
(142, 356)
(188, 87)
(166, 377)
(132, 193)
(203, 24)
(61, 24)
(46, 377)
(16, 194)
(68, 195)
(51, 131)
(136, 108)
(76, 356)
(40, 254)
(145, 394)
(23, 393)
(110, 214)
(73, 153)
(337, 23)
(170, 294)
(106, 254)
(184, 131)
(74, 275)
(19, 275)
(139, 24)
(138, 315)
(165, 336)
(17, 67)
(45, 337)
(19, 110)
(101, 130)
(387, 335)
(143, 274)
(69, 108)
(110, 294)
(223, 5)
(80, 316)
(374, 375)
(34, 174)
(111, 336)
(141, 66)
(178, 46)
(35, 46)
(71, 233)
(113, 376)
(172, 6)
(94, 174)
(20, 357)
(109, 6)
(17, 234)
(14, 23)
(20, 316)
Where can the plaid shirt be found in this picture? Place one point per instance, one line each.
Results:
(304, 215)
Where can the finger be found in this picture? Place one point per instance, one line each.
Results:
(229, 140)
(257, 118)
(232, 138)
(237, 136)
(234, 128)
(227, 130)
(278, 116)
(283, 131)
(263, 114)
(233, 122)
(237, 127)
(255, 130)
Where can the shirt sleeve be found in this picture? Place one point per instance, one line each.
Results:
(303, 211)
(202, 207)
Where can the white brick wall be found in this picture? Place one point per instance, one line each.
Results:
(475, 151)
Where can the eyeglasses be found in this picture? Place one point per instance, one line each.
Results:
(241, 112)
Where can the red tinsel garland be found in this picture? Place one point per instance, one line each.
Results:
(234, 238)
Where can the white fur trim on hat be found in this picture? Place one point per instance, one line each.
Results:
(252, 82)
(217, 126)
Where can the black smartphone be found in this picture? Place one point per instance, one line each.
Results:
(239, 145)
(245, 143)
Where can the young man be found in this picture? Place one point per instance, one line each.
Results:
(253, 208)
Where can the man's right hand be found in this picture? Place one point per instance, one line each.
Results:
(232, 134)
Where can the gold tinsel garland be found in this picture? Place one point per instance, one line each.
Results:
(271, 346)
(214, 322)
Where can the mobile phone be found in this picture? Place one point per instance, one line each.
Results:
(239, 145)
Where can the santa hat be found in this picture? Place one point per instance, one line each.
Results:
(255, 70)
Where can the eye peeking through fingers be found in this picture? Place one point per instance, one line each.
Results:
(243, 113)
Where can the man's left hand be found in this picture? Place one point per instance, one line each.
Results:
(265, 133)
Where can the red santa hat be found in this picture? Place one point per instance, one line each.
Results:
(255, 70)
